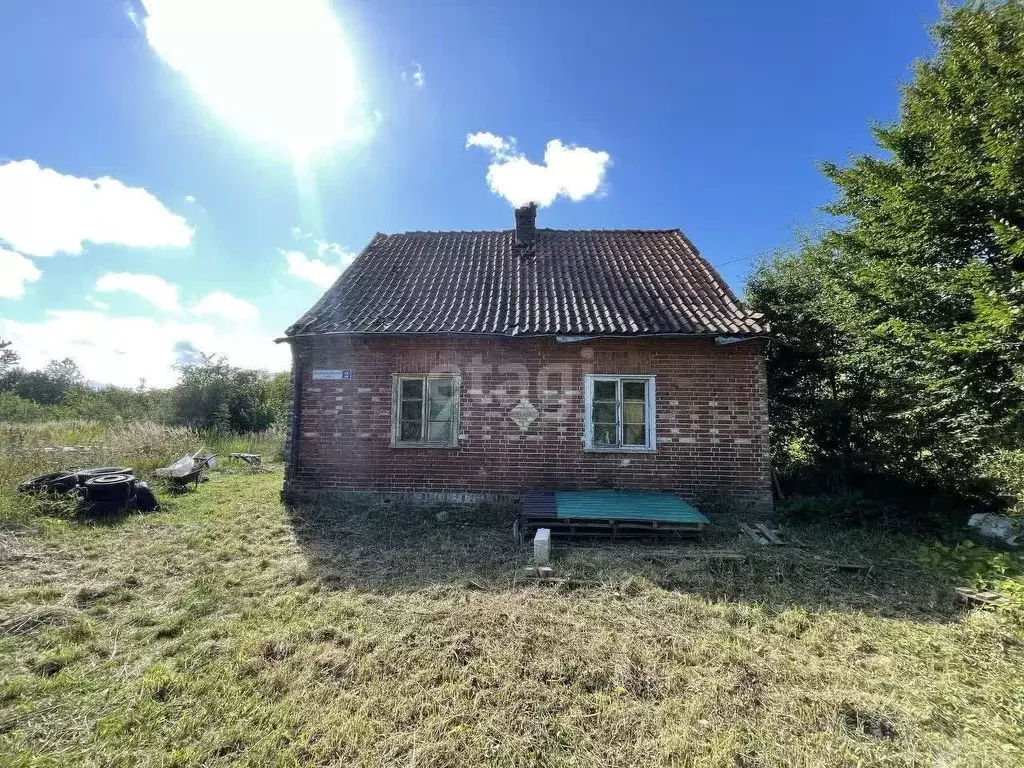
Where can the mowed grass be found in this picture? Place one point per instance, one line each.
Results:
(226, 630)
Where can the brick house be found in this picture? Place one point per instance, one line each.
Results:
(469, 364)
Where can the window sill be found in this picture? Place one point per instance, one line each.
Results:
(619, 449)
(432, 446)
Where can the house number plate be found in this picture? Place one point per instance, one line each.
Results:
(329, 375)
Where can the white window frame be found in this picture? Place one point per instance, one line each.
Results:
(589, 379)
(396, 415)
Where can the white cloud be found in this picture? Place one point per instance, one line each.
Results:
(280, 71)
(157, 291)
(227, 306)
(190, 199)
(573, 172)
(489, 141)
(15, 271)
(301, 265)
(102, 305)
(43, 212)
(330, 261)
(121, 350)
(336, 252)
(418, 78)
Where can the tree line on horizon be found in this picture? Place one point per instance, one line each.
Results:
(211, 394)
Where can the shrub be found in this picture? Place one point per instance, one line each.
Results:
(843, 508)
(982, 569)
(1005, 470)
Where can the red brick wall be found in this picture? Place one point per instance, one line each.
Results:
(711, 416)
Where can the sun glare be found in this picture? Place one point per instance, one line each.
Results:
(279, 71)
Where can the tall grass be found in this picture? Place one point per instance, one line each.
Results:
(32, 449)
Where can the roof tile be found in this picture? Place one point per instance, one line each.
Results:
(570, 282)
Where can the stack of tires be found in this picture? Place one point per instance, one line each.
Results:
(99, 489)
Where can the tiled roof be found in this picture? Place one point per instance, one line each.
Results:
(569, 282)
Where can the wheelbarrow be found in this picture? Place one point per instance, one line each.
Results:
(188, 469)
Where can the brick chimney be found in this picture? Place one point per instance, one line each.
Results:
(526, 224)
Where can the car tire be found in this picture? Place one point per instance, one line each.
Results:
(115, 487)
(91, 472)
(54, 482)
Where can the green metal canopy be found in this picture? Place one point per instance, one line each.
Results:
(625, 505)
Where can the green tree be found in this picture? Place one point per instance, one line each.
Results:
(212, 394)
(9, 360)
(52, 385)
(279, 393)
(901, 332)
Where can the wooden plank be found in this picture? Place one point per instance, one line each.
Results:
(608, 534)
(968, 596)
(769, 533)
(757, 537)
(852, 566)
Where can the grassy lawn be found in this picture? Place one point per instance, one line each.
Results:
(225, 630)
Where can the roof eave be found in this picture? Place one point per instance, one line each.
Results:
(760, 333)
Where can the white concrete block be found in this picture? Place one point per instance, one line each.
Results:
(542, 546)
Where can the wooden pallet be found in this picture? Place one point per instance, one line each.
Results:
(562, 527)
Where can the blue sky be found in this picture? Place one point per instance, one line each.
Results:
(237, 187)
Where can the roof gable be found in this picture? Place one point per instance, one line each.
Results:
(567, 282)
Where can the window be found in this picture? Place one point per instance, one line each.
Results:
(619, 413)
(425, 411)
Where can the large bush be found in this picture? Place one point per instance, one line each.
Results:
(214, 395)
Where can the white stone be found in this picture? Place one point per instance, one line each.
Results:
(542, 546)
(1004, 529)
(524, 414)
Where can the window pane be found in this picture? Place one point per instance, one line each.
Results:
(411, 432)
(441, 388)
(604, 412)
(634, 434)
(634, 390)
(439, 409)
(412, 410)
(439, 432)
(604, 434)
(604, 390)
(412, 388)
(633, 413)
